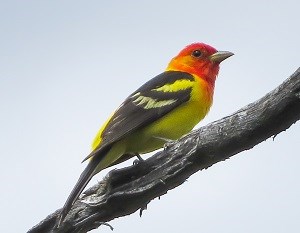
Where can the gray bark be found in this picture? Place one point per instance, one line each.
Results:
(127, 190)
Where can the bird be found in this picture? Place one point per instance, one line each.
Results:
(165, 108)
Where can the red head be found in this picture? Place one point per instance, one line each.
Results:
(199, 59)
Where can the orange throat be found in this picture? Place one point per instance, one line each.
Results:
(205, 69)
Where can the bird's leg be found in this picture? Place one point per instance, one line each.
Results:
(139, 160)
(139, 157)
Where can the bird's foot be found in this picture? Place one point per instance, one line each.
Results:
(139, 160)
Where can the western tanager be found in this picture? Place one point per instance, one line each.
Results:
(165, 108)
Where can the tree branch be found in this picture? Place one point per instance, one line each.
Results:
(123, 191)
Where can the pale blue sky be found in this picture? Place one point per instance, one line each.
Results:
(66, 65)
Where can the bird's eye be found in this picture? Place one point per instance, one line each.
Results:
(197, 53)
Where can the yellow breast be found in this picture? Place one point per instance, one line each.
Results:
(177, 122)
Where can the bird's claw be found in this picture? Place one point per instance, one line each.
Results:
(139, 160)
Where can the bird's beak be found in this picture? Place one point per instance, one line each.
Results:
(220, 56)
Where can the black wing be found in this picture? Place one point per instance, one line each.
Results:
(144, 106)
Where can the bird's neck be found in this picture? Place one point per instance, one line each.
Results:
(206, 72)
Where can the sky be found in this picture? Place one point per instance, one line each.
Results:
(66, 65)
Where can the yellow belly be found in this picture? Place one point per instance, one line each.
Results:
(172, 126)
(175, 124)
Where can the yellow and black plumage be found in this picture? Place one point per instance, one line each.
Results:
(166, 107)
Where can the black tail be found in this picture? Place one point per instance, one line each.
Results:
(82, 182)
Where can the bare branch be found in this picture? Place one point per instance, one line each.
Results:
(126, 190)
